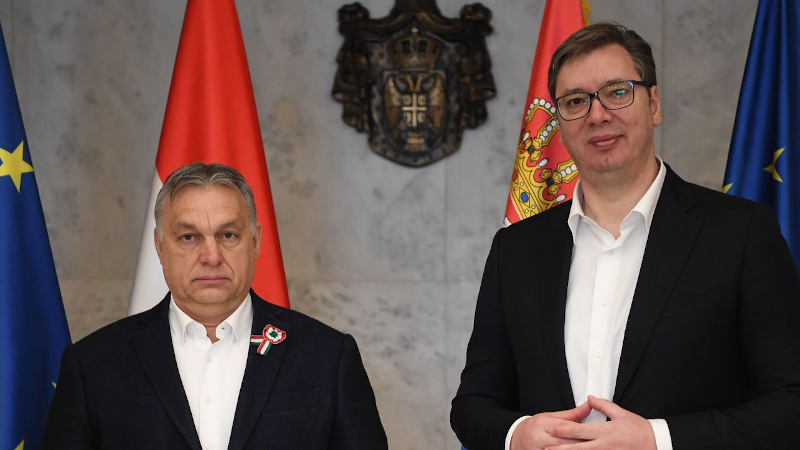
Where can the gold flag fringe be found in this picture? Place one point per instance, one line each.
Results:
(587, 11)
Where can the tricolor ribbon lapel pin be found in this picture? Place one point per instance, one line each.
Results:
(270, 336)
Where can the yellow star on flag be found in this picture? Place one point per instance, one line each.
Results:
(770, 168)
(20, 446)
(13, 165)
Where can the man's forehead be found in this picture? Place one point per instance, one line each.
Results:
(217, 203)
(595, 69)
(188, 224)
(203, 194)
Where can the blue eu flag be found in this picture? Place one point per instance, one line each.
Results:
(764, 159)
(33, 328)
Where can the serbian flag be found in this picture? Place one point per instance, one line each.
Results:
(544, 174)
(211, 117)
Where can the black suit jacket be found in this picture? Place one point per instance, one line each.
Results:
(712, 342)
(120, 388)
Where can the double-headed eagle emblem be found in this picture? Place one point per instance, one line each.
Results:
(415, 79)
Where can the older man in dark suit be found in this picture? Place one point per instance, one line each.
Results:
(213, 366)
(661, 315)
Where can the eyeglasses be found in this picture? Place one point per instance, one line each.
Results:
(616, 95)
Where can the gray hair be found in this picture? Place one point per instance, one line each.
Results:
(204, 175)
(599, 35)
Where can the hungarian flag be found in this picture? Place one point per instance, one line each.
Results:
(544, 174)
(211, 117)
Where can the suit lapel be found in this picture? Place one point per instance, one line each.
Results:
(556, 255)
(671, 238)
(154, 347)
(259, 374)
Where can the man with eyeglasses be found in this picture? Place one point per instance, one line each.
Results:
(662, 314)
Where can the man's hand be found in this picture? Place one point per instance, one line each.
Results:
(534, 433)
(626, 430)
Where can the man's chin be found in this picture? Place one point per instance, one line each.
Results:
(212, 294)
(608, 163)
(203, 283)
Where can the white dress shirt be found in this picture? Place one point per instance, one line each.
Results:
(602, 280)
(212, 373)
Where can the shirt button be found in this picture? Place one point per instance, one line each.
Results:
(603, 302)
(209, 358)
(208, 400)
(611, 252)
(598, 353)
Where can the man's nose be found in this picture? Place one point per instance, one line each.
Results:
(210, 252)
(597, 112)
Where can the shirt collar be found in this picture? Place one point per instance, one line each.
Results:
(240, 321)
(646, 206)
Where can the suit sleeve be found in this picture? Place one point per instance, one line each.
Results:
(357, 425)
(487, 401)
(68, 422)
(769, 324)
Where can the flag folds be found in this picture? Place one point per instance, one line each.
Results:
(764, 158)
(211, 117)
(544, 174)
(33, 328)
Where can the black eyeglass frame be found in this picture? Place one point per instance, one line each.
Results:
(596, 95)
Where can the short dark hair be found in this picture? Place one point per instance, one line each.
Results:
(599, 35)
(204, 175)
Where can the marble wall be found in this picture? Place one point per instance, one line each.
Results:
(390, 254)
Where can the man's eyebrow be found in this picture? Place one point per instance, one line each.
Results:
(614, 81)
(236, 223)
(573, 91)
(182, 227)
(583, 91)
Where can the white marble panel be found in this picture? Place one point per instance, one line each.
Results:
(478, 176)
(343, 212)
(92, 304)
(92, 78)
(7, 22)
(458, 322)
(401, 335)
(705, 61)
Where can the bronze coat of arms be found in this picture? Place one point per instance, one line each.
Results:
(414, 79)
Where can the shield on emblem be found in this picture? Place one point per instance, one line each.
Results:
(414, 80)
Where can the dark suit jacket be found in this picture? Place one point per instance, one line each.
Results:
(120, 388)
(712, 342)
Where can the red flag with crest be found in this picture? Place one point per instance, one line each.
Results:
(544, 174)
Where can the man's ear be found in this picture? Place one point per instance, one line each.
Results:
(655, 106)
(157, 242)
(257, 238)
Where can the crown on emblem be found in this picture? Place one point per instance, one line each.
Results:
(415, 51)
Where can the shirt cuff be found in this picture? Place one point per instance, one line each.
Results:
(514, 427)
(661, 432)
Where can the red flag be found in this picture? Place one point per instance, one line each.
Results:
(544, 174)
(211, 117)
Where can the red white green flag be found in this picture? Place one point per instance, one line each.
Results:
(211, 117)
(544, 174)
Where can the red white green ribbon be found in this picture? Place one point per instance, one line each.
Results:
(271, 335)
